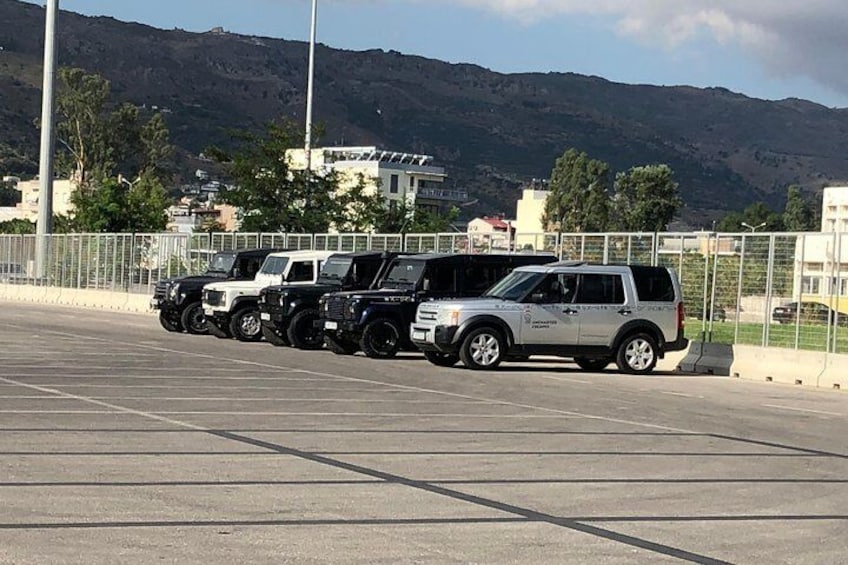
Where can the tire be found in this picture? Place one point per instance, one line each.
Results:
(272, 337)
(637, 354)
(592, 364)
(441, 359)
(302, 333)
(246, 325)
(340, 347)
(168, 324)
(193, 319)
(381, 339)
(483, 349)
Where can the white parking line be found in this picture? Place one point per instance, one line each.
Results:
(793, 409)
(671, 393)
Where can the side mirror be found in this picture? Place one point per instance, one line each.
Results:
(425, 286)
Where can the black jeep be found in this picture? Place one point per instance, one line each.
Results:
(179, 300)
(290, 314)
(377, 321)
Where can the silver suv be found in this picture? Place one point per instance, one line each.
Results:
(595, 314)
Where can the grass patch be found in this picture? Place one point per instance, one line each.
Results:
(810, 337)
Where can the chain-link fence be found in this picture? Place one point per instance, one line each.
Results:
(782, 290)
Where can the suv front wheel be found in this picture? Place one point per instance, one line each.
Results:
(380, 339)
(637, 354)
(193, 319)
(482, 349)
(246, 325)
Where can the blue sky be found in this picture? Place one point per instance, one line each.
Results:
(762, 48)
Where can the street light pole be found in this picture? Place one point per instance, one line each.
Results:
(753, 228)
(44, 225)
(309, 88)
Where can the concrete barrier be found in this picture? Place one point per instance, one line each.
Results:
(80, 298)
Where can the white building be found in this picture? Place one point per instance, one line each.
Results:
(30, 189)
(528, 216)
(401, 177)
(821, 259)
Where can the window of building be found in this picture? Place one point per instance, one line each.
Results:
(393, 184)
(411, 182)
(815, 267)
(810, 285)
(843, 291)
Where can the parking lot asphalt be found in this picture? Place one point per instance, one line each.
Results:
(121, 443)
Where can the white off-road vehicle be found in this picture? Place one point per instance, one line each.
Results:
(595, 314)
(232, 308)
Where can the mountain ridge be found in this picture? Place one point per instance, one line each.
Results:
(492, 131)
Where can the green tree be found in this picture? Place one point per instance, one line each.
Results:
(82, 129)
(579, 194)
(798, 215)
(405, 219)
(358, 207)
(112, 207)
(17, 227)
(210, 225)
(757, 215)
(646, 199)
(9, 195)
(272, 196)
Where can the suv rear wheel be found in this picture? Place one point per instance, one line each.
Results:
(597, 364)
(441, 359)
(637, 354)
(193, 319)
(380, 339)
(246, 325)
(482, 349)
(303, 333)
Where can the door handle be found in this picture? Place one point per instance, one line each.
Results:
(625, 312)
(570, 312)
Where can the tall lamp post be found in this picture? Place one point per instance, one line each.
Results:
(44, 225)
(753, 228)
(309, 88)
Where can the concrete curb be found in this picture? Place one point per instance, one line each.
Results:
(79, 298)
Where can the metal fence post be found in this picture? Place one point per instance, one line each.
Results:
(769, 290)
(739, 289)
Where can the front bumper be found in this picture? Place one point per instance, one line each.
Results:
(218, 318)
(274, 317)
(434, 338)
(343, 328)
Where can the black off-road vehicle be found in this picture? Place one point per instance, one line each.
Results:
(377, 321)
(290, 314)
(179, 299)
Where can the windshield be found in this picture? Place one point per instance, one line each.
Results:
(404, 273)
(274, 265)
(335, 269)
(221, 263)
(515, 286)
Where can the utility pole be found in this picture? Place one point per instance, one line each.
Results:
(44, 225)
(309, 89)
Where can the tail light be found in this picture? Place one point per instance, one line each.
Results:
(681, 316)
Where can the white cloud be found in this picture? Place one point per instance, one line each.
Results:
(790, 38)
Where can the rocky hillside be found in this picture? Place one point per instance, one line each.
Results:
(492, 131)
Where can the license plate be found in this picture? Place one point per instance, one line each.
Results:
(331, 325)
(265, 316)
(419, 336)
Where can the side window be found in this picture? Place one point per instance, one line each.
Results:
(364, 273)
(440, 278)
(247, 267)
(600, 289)
(556, 289)
(479, 278)
(302, 271)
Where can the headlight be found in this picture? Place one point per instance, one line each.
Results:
(283, 302)
(174, 291)
(449, 317)
(352, 307)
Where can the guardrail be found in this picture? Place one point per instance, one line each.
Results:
(732, 283)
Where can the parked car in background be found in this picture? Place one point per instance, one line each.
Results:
(377, 321)
(179, 299)
(290, 313)
(811, 313)
(232, 308)
(594, 314)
